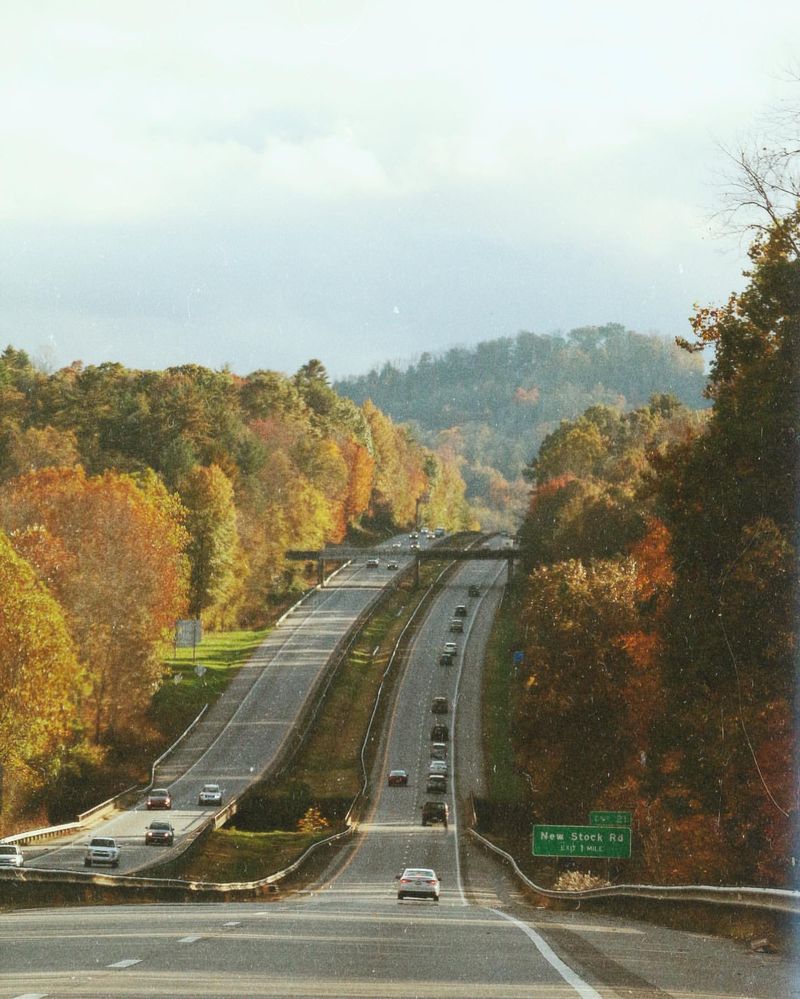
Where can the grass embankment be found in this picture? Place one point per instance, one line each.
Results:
(220, 654)
(326, 773)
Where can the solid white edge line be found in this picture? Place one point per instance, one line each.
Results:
(453, 726)
(570, 977)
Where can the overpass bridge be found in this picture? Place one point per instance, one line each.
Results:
(440, 553)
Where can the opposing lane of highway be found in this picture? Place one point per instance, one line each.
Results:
(352, 937)
(245, 731)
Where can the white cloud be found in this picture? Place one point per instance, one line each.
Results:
(410, 130)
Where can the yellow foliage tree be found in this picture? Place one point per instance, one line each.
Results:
(40, 675)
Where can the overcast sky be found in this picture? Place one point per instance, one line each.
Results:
(258, 183)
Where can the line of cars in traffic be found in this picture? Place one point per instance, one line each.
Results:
(106, 850)
(414, 538)
(423, 882)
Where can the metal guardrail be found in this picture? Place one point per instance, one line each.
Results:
(34, 835)
(219, 818)
(774, 899)
(32, 875)
(52, 832)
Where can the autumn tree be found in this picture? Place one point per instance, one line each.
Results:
(729, 498)
(122, 582)
(40, 677)
(215, 554)
(572, 721)
(35, 448)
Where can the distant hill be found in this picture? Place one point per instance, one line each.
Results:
(494, 403)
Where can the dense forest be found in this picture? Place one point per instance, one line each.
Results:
(129, 499)
(493, 405)
(657, 611)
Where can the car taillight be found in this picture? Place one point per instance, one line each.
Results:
(428, 881)
(405, 881)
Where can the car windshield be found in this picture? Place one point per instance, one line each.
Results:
(283, 285)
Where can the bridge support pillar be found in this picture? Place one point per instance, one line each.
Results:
(321, 571)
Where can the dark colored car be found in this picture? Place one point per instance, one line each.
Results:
(446, 659)
(398, 778)
(474, 590)
(460, 611)
(440, 706)
(435, 812)
(440, 733)
(159, 797)
(391, 565)
(457, 625)
(436, 784)
(159, 833)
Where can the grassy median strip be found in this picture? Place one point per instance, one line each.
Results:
(232, 856)
(505, 784)
(326, 774)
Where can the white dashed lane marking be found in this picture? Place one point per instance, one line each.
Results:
(233, 922)
(192, 939)
(33, 995)
(129, 963)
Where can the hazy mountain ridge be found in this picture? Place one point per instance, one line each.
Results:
(496, 402)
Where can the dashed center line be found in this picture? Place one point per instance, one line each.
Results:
(129, 963)
(33, 995)
(191, 939)
(233, 922)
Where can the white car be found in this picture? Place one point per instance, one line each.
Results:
(450, 647)
(438, 767)
(101, 850)
(11, 855)
(418, 882)
(210, 794)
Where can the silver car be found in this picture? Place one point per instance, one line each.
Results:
(210, 794)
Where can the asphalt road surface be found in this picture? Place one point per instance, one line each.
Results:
(244, 732)
(349, 936)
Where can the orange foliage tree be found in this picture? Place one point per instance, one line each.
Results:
(40, 675)
(122, 579)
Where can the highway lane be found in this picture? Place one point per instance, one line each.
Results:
(564, 953)
(350, 936)
(246, 730)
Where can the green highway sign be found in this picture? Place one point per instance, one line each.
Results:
(610, 818)
(581, 841)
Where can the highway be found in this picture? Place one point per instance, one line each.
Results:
(347, 935)
(245, 731)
